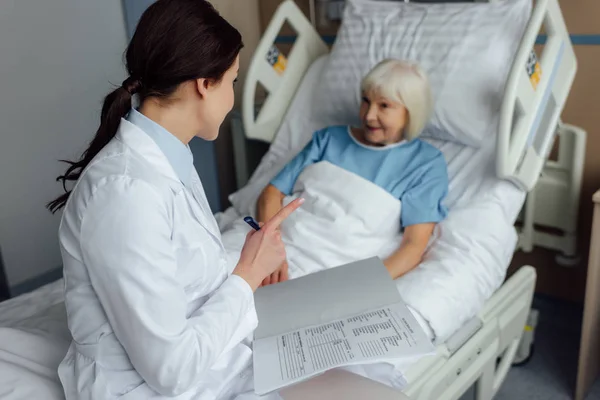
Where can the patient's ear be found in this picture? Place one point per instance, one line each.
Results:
(406, 124)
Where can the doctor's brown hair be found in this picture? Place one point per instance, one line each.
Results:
(175, 41)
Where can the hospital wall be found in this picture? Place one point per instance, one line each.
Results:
(583, 21)
(57, 60)
(244, 15)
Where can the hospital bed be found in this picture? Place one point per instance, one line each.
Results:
(480, 351)
(477, 351)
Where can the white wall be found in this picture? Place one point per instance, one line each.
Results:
(58, 59)
(133, 11)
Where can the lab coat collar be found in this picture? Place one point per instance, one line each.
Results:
(179, 155)
(139, 142)
(205, 213)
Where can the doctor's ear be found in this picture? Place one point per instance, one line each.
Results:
(204, 86)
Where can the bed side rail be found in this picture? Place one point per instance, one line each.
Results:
(535, 95)
(278, 75)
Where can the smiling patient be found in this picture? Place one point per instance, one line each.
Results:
(385, 150)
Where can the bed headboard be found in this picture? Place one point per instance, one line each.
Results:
(535, 97)
(536, 90)
(278, 75)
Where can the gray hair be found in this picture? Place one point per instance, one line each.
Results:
(403, 83)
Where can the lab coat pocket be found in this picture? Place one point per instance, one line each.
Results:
(200, 209)
(202, 270)
(191, 261)
(192, 227)
(199, 254)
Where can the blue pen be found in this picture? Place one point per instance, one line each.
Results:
(252, 222)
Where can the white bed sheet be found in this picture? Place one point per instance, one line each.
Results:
(34, 338)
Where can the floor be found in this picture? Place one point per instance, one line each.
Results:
(551, 372)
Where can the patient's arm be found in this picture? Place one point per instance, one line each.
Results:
(269, 204)
(410, 253)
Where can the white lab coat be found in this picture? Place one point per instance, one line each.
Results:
(153, 309)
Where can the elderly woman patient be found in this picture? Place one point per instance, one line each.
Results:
(396, 103)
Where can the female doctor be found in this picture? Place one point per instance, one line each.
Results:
(153, 307)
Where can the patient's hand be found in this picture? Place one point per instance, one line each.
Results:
(411, 250)
(280, 275)
(269, 203)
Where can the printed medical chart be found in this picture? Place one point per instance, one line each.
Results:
(384, 333)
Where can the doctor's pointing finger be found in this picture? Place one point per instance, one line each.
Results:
(264, 251)
(153, 311)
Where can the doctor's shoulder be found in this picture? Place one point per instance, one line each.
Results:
(118, 176)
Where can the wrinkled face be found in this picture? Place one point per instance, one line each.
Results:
(383, 121)
(220, 98)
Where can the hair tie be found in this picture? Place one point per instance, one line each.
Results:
(131, 85)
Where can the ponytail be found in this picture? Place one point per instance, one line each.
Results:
(116, 105)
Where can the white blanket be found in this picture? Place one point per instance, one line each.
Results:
(346, 217)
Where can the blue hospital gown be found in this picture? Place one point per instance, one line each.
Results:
(414, 172)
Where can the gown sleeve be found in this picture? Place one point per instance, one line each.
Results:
(424, 201)
(128, 253)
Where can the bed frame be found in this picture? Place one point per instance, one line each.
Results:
(482, 352)
(549, 217)
(530, 122)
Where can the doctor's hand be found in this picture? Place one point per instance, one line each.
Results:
(263, 252)
(280, 275)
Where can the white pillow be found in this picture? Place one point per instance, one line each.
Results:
(467, 49)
